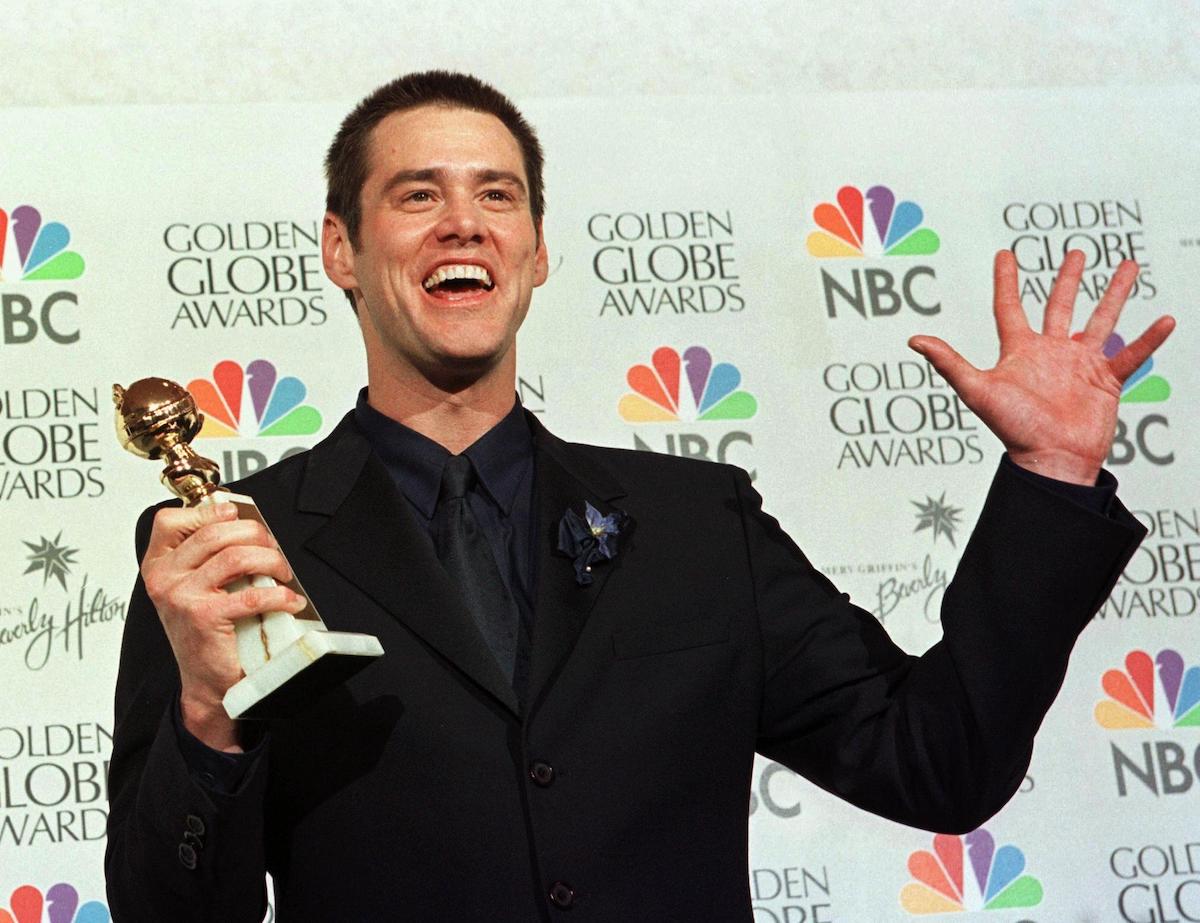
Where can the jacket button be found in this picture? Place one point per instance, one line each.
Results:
(187, 856)
(561, 895)
(541, 773)
(195, 824)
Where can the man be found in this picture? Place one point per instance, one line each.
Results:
(554, 732)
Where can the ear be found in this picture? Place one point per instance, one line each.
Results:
(337, 253)
(541, 260)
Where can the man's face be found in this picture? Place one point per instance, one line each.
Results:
(448, 253)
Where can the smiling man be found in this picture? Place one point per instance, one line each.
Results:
(441, 257)
(585, 646)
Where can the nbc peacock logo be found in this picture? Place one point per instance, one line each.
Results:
(893, 229)
(272, 406)
(1160, 692)
(968, 873)
(40, 249)
(59, 904)
(711, 394)
(897, 226)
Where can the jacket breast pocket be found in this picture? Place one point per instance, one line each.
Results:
(675, 636)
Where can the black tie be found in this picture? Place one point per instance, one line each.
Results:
(466, 554)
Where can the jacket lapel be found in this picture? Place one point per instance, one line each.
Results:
(566, 477)
(373, 540)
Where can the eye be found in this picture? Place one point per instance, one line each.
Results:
(414, 198)
(498, 195)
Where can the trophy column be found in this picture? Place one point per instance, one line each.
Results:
(288, 659)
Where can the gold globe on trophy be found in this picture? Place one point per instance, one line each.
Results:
(157, 418)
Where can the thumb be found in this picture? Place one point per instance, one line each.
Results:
(958, 372)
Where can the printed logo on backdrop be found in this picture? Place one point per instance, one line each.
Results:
(1159, 884)
(244, 274)
(50, 446)
(890, 414)
(968, 873)
(665, 263)
(894, 229)
(1143, 702)
(36, 252)
(52, 612)
(253, 402)
(785, 893)
(938, 516)
(60, 903)
(1107, 231)
(1142, 426)
(1162, 578)
(776, 792)
(791, 894)
(910, 587)
(53, 784)
(531, 391)
(696, 404)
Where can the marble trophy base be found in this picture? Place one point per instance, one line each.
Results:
(289, 660)
(300, 673)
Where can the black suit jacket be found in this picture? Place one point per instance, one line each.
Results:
(418, 791)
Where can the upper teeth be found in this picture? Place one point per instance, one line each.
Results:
(457, 271)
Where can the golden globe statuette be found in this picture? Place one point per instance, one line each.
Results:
(288, 659)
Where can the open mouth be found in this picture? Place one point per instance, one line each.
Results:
(458, 279)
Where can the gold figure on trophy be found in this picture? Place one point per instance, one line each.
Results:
(288, 659)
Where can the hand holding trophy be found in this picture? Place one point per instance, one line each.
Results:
(287, 659)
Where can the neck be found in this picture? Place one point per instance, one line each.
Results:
(452, 414)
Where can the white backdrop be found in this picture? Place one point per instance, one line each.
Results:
(673, 222)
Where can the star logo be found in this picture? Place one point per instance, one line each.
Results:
(937, 515)
(51, 558)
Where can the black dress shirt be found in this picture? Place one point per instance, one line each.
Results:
(501, 500)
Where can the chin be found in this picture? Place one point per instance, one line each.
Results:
(463, 364)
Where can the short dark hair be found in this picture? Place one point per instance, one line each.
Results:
(346, 161)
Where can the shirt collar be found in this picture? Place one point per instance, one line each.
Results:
(503, 456)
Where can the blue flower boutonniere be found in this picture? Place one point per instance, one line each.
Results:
(590, 538)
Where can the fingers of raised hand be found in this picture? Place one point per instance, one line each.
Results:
(1061, 303)
(1104, 319)
(958, 372)
(1128, 360)
(1006, 299)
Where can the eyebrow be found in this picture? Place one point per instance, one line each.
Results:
(430, 174)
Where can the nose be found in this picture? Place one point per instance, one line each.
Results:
(461, 220)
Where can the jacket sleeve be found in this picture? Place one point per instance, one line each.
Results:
(176, 850)
(940, 741)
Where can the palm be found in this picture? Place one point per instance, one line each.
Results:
(1051, 399)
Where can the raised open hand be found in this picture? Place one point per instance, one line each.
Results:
(1051, 398)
